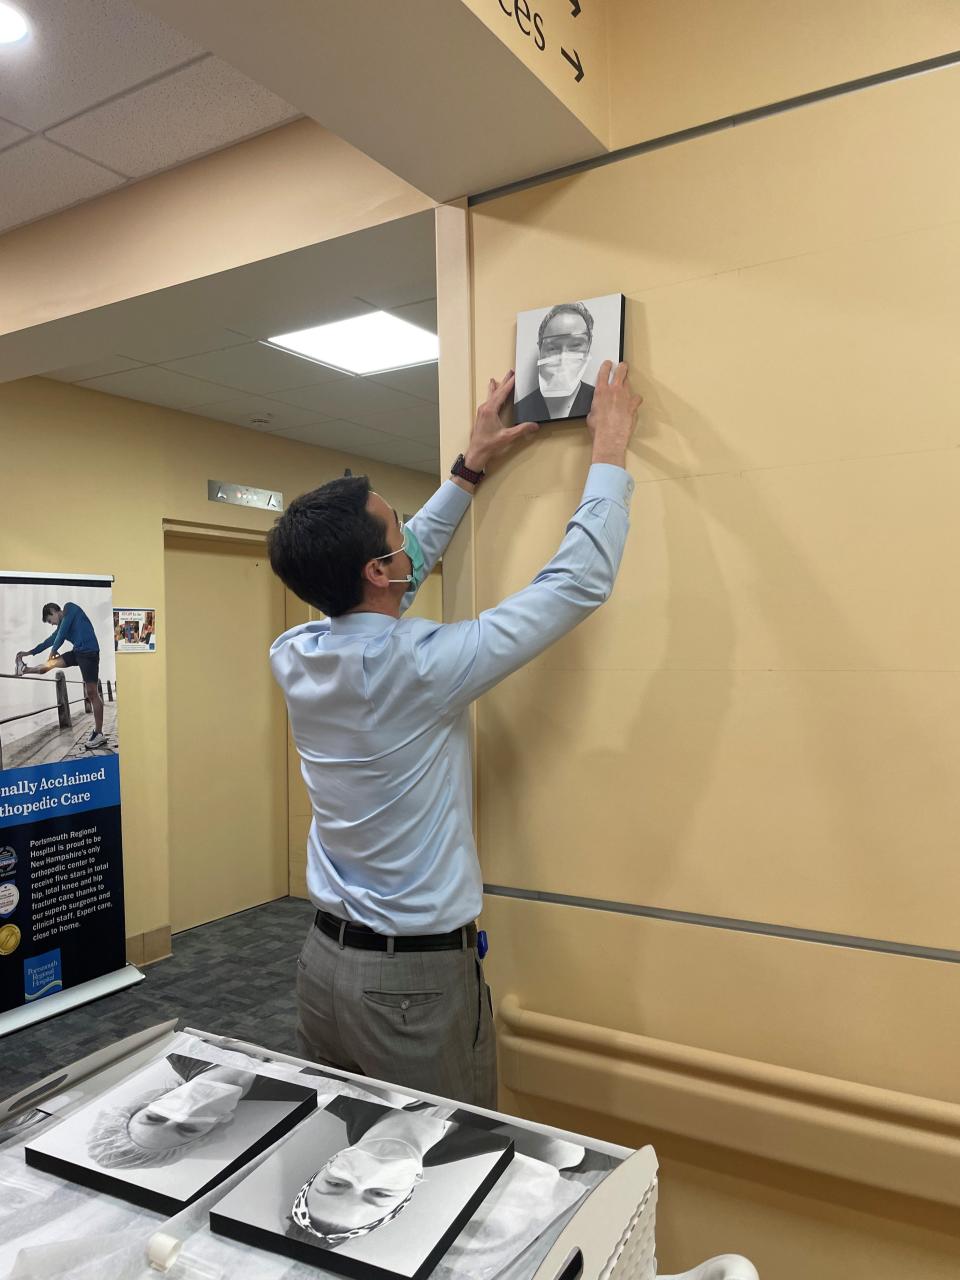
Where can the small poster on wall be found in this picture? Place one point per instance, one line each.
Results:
(135, 630)
(559, 351)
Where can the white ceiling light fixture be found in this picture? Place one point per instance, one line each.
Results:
(13, 25)
(372, 343)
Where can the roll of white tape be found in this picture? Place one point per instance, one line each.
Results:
(162, 1250)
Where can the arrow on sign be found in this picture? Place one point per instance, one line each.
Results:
(576, 7)
(575, 63)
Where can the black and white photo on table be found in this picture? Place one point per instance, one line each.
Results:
(560, 349)
(368, 1190)
(171, 1131)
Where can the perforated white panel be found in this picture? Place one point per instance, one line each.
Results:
(202, 108)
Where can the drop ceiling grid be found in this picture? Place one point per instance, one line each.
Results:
(327, 396)
(104, 95)
(365, 409)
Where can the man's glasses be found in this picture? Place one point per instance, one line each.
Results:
(579, 344)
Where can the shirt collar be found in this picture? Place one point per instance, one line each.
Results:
(361, 624)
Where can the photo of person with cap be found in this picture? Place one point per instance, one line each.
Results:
(162, 1126)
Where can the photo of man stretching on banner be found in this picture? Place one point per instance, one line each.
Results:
(71, 626)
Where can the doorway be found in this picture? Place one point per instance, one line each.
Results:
(227, 729)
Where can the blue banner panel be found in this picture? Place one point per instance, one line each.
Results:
(51, 790)
(61, 861)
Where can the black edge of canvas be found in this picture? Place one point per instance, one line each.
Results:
(156, 1200)
(623, 323)
(469, 1209)
(303, 1251)
(279, 1130)
(103, 1182)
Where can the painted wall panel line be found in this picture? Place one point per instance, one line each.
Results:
(728, 922)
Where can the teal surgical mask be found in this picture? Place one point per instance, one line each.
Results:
(418, 570)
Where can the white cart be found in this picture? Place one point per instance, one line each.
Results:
(611, 1236)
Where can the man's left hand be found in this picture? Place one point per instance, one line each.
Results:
(491, 436)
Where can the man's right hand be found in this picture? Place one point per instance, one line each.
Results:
(613, 415)
(491, 436)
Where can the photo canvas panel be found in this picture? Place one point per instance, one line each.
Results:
(560, 349)
(171, 1131)
(344, 1193)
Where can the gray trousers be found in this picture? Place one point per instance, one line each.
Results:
(423, 1019)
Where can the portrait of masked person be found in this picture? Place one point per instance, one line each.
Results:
(564, 341)
(164, 1125)
(372, 1180)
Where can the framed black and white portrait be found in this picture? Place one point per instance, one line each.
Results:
(367, 1190)
(559, 350)
(171, 1132)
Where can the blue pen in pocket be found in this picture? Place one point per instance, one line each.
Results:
(483, 946)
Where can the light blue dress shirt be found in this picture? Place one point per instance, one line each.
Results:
(379, 712)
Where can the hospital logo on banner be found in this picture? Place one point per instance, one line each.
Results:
(41, 975)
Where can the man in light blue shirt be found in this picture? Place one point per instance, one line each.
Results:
(390, 983)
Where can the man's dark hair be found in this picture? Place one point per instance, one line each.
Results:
(318, 547)
(49, 610)
(577, 308)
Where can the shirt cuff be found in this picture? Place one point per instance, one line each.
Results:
(450, 501)
(607, 481)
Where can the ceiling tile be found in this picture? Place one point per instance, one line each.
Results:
(421, 423)
(244, 409)
(10, 133)
(285, 294)
(202, 108)
(351, 398)
(399, 453)
(156, 386)
(422, 313)
(420, 381)
(255, 367)
(430, 466)
(96, 369)
(37, 178)
(81, 52)
(395, 294)
(348, 437)
(159, 343)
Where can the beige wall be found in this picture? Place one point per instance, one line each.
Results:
(762, 723)
(678, 63)
(88, 480)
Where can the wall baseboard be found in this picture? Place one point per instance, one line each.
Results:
(877, 1137)
(148, 948)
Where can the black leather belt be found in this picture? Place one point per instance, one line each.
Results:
(358, 935)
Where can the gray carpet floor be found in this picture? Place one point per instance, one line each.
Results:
(235, 977)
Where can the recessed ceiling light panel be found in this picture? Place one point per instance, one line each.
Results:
(372, 343)
(13, 25)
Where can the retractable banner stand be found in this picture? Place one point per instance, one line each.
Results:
(62, 936)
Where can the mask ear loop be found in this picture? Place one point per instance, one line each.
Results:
(408, 580)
